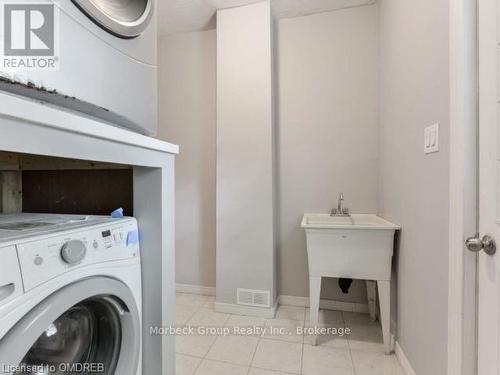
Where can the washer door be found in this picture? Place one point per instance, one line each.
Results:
(123, 18)
(88, 327)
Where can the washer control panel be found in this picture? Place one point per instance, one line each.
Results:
(51, 256)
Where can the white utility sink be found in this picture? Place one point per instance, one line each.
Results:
(358, 247)
(357, 221)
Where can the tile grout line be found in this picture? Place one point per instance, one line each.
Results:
(196, 308)
(303, 343)
(349, 346)
(192, 356)
(193, 314)
(210, 348)
(208, 351)
(277, 371)
(278, 340)
(187, 322)
(254, 353)
(216, 337)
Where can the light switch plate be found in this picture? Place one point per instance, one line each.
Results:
(431, 139)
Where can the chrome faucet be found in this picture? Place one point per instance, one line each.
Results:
(341, 199)
(340, 211)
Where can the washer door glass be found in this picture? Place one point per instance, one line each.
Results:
(123, 18)
(85, 339)
(91, 326)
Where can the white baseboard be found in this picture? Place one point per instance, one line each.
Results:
(403, 361)
(195, 289)
(261, 312)
(325, 304)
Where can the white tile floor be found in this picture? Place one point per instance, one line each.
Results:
(361, 353)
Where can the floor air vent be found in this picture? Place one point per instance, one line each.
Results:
(257, 298)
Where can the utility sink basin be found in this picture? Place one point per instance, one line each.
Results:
(358, 221)
(358, 247)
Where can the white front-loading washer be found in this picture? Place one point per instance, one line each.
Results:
(70, 295)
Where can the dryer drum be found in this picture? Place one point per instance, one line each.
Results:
(122, 18)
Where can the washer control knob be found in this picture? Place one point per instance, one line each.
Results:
(73, 251)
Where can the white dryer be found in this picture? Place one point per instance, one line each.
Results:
(107, 62)
(70, 295)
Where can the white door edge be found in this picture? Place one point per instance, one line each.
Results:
(463, 187)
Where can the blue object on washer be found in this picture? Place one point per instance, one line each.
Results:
(118, 213)
(132, 237)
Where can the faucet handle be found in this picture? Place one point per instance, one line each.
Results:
(345, 211)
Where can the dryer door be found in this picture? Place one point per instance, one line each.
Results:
(91, 326)
(123, 18)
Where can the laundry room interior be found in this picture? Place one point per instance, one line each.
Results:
(230, 187)
(282, 114)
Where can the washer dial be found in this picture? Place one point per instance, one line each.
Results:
(73, 251)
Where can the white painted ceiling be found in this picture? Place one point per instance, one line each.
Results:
(177, 16)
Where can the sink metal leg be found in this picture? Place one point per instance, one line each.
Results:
(314, 296)
(384, 292)
(371, 291)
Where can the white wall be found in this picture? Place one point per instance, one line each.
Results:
(414, 93)
(328, 134)
(187, 96)
(245, 157)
